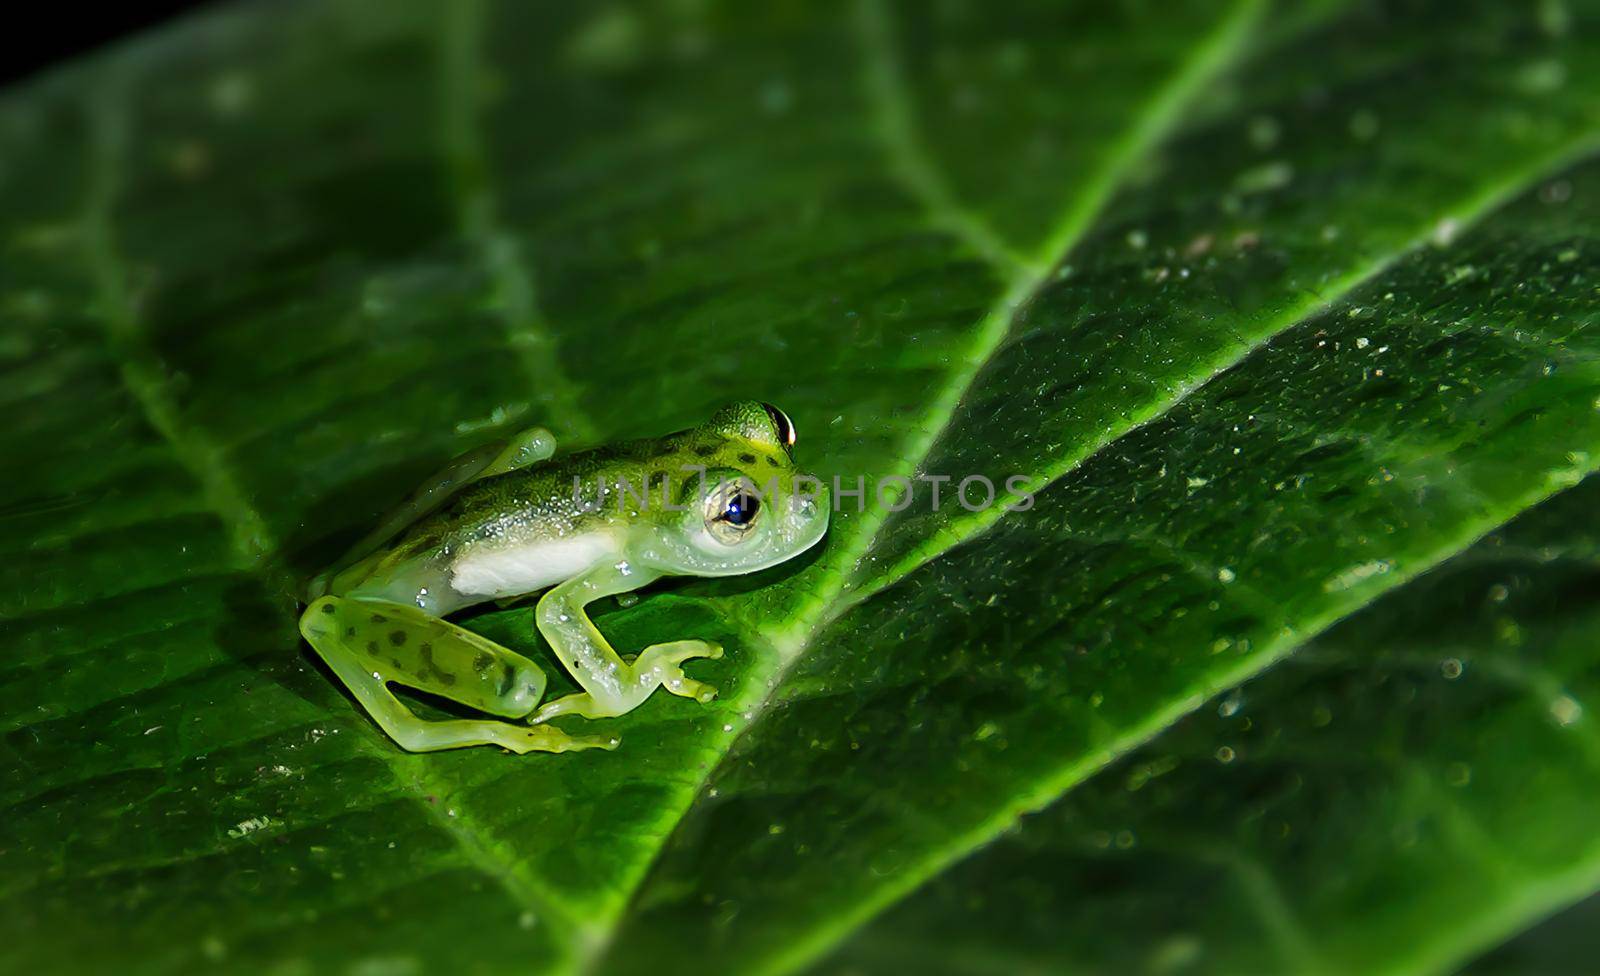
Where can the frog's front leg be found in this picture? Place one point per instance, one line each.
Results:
(370, 643)
(611, 686)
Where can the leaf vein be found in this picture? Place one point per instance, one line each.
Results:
(142, 371)
(911, 876)
(1148, 130)
(893, 115)
(967, 526)
(461, 135)
(145, 377)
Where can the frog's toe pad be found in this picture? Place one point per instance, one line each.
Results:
(546, 738)
(685, 687)
(674, 653)
(579, 742)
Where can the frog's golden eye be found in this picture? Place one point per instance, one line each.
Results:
(731, 511)
(785, 426)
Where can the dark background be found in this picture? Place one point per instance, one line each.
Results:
(51, 33)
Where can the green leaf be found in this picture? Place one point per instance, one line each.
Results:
(1275, 307)
(1409, 788)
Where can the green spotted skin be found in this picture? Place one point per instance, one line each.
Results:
(416, 648)
(720, 499)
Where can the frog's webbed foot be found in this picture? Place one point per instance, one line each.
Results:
(661, 664)
(657, 666)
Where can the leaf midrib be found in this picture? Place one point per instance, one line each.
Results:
(885, 90)
(1150, 128)
(911, 877)
(836, 594)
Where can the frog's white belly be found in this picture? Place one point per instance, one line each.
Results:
(494, 574)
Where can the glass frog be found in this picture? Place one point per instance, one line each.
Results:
(507, 521)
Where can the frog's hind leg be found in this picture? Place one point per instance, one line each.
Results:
(369, 644)
(532, 446)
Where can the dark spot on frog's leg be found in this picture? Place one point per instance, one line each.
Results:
(372, 647)
(379, 618)
(397, 638)
(329, 608)
(705, 450)
(772, 462)
(481, 663)
(508, 676)
(427, 669)
(446, 678)
(349, 631)
(748, 458)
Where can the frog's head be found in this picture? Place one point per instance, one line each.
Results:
(752, 508)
